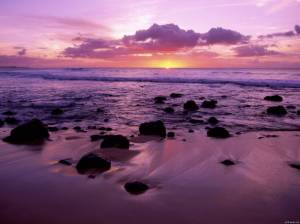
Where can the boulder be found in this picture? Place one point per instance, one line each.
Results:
(115, 141)
(1, 123)
(153, 128)
(295, 165)
(298, 112)
(136, 187)
(209, 104)
(92, 162)
(171, 134)
(218, 132)
(274, 98)
(213, 121)
(176, 95)
(190, 105)
(277, 110)
(169, 110)
(160, 99)
(33, 131)
(57, 111)
(96, 137)
(11, 120)
(292, 107)
(228, 162)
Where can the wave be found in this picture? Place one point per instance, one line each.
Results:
(273, 83)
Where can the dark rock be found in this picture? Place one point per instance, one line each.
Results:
(52, 129)
(296, 166)
(218, 132)
(115, 141)
(213, 121)
(191, 130)
(9, 113)
(228, 162)
(153, 128)
(100, 110)
(92, 127)
(160, 99)
(190, 105)
(11, 120)
(108, 129)
(106, 120)
(64, 128)
(298, 112)
(1, 123)
(92, 162)
(292, 107)
(67, 162)
(57, 111)
(136, 187)
(277, 110)
(209, 104)
(77, 128)
(96, 137)
(176, 95)
(102, 128)
(196, 121)
(171, 134)
(33, 131)
(274, 98)
(169, 110)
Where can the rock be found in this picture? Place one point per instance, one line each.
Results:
(136, 187)
(218, 132)
(160, 99)
(1, 123)
(115, 141)
(292, 107)
(169, 110)
(57, 111)
(77, 128)
(277, 110)
(108, 129)
(209, 104)
(106, 120)
(298, 112)
(274, 98)
(67, 162)
(153, 128)
(92, 127)
(171, 134)
(33, 131)
(11, 120)
(196, 121)
(96, 137)
(296, 166)
(9, 113)
(92, 162)
(190, 105)
(176, 95)
(64, 128)
(191, 130)
(213, 121)
(52, 129)
(228, 162)
(100, 110)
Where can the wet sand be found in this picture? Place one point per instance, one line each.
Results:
(188, 184)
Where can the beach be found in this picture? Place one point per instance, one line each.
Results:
(187, 178)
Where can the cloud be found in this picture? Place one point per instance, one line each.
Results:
(297, 29)
(279, 34)
(167, 37)
(222, 36)
(253, 50)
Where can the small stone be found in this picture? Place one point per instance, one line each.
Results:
(190, 105)
(52, 129)
(277, 110)
(160, 99)
(115, 141)
(136, 187)
(228, 162)
(153, 128)
(92, 162)
(67, 162)
(274, 98)
(218, 132)
(11, 121)
(191, 130)
(213, 121)
(171, 134)
(96, 137)
(296, 166)
(169, 110)
(57, 111)
(211, 104)
(9, 113)
(176, 95)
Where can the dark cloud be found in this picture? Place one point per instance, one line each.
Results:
(222, 36)
(280, 34)
(253, 50)
(167, 37)
(297, 29)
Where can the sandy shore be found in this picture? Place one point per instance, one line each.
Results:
(188, 183)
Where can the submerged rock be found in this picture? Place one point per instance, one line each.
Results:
(176, 95)
(96, 137)
(33, 131)
(136, 187)
(213, 121)
(169, 110)
(218, 132)
(11, 120)
(1, 123)
(228, 162)
(292, 107)
(196, 121)
(277, 110)
(67, 162)
(298, 112)
(209, 104)
(53, 129)
(92, 162)
(160, 99)
(57, 111)
(274, 98)
(115, 141)
(153, 128)
(171, 134)
(9, 113)
(190, 105)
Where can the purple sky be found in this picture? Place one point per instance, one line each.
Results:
(152, 33)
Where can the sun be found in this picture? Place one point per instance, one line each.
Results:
(169, 64)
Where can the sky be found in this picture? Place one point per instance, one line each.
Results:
(150, 33)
